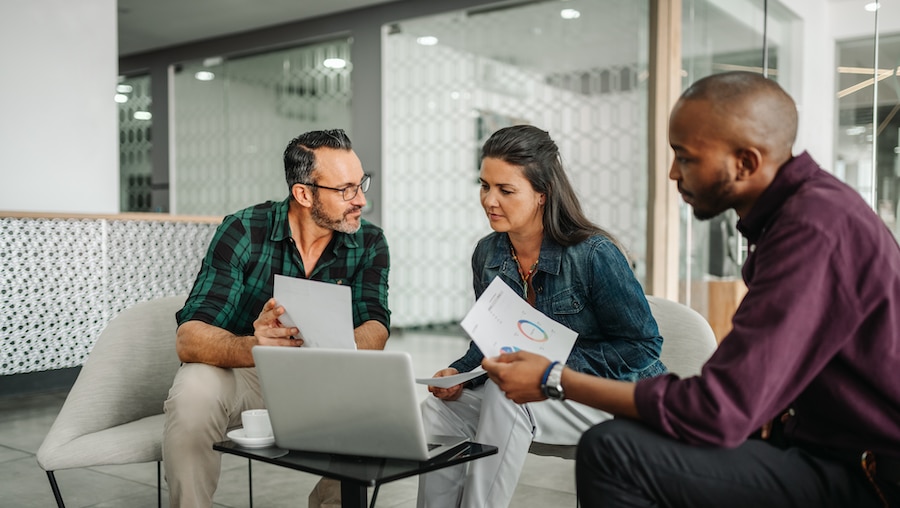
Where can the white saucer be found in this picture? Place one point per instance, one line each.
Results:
(237, 435)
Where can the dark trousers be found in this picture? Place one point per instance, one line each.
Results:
(624, 463)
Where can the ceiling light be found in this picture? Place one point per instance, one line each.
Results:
(204, 76)
(124, 88)
(142, 115)
(569, 14)
(335, 63)
(873, 6)
(213, 61)
(427, 40)
(121, 98)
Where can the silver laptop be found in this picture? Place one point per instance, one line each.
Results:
(351, 402)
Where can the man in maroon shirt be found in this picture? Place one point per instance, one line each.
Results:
(800, 404)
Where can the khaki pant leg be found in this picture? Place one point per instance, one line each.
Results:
(326, 494)
(204, 402)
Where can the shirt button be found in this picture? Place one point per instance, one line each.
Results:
(339, 282)
(539, 289)
(753, 247)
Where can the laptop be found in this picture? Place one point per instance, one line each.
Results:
(349, 402)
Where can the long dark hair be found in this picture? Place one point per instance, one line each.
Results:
(538, 156)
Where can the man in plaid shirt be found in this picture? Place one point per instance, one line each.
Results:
(316, 233)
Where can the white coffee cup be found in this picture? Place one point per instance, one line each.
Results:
(256, 423)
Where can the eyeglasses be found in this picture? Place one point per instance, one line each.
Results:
(349, 192)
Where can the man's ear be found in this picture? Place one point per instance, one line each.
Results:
(749, 160)
(302, 194)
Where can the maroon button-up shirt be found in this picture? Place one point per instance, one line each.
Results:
(818, 330)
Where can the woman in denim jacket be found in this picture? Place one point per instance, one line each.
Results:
(544, 248)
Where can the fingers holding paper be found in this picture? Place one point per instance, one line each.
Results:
(269, 331)
(450, 393)
(518, 375)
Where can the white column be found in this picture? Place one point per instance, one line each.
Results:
(58, 126)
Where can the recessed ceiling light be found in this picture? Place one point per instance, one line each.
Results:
(121, 98)
(427, 40)
(213, 61)
(142, 115)
(335, 63)
(124, 88)
(569, 14)
(204, 76)
(873, 6)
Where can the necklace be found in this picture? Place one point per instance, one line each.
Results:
(526, 276)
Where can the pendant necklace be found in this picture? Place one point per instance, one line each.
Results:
(526, 277)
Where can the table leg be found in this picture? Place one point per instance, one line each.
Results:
(353, 495)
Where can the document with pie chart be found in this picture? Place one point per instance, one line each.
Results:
(501, 321)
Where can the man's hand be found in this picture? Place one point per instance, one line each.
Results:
(518, 375)
(269, 331)
(452, 393)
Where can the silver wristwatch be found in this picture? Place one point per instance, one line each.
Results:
(553, 389)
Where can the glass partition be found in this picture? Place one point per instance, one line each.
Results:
(233, 117)
(867, 154)
(134, 97)
(577, 69)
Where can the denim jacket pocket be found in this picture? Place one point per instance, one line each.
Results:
(567, 307)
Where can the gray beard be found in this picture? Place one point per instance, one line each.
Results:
(324, 221)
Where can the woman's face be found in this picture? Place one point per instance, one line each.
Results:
(510, 202)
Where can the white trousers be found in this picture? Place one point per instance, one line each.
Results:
(487, 416)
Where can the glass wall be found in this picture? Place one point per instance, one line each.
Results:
(234, 117)
(867, 146)
(134, 97)
(577, 69)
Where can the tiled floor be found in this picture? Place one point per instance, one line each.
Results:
(545, 481)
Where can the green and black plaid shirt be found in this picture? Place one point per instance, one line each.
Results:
(253, 245)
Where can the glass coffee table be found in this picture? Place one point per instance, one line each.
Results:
(356, 473)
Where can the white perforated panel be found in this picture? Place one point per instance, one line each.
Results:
(62, 280)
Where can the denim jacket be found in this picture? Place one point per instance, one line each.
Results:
(588, 287)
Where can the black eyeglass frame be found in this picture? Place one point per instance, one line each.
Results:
(363, 184)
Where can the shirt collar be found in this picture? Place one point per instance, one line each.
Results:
(786, 182)
(281, 227)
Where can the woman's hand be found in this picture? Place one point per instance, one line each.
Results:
(452, 393)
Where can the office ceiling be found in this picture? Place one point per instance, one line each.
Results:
(148, 25)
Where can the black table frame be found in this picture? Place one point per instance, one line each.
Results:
(356, 473)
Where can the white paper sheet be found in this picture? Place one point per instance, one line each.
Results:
(321, 310)
(448, 381)
(501, 321)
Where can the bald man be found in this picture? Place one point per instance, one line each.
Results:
(800, 404)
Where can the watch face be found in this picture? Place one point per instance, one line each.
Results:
(553, 392)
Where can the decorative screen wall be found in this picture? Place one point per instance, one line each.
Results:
(135, 143)
(62, 280)
(233, 119)
(453, 79)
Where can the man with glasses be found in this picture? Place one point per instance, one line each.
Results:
(317, 233)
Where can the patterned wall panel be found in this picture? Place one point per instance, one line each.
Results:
(135, 143)
(62, 280)
(231, 130)
(443, 100)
